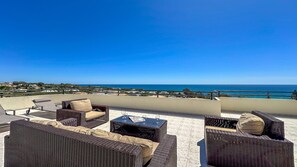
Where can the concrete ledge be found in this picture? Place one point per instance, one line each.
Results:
(273, 106)
(176, 105)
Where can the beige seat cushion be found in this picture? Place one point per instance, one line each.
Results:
(94, 114)
(78, 129)
(250, 123)
(146, 159)
(155, 145)
(106, 135)
(81, 105)
(114, 136)
(146, 145)
(57, 124)
(220, 128)
(48, 122)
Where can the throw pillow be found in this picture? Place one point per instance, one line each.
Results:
(81, 105)
(250, 123)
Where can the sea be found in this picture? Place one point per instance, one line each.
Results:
(171, 87)
(247, 91)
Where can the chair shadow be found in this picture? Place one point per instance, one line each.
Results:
(168, 113)
(203, 160)
(47, 115)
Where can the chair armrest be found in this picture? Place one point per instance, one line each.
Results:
(62, 114)
(104, 109)
(101, 107)
(69, 122)
(241, 136)
(221, 145)
(274, 127)
(166, 153)
(220, 122)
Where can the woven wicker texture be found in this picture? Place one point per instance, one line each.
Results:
(229, 149)
(33, 145)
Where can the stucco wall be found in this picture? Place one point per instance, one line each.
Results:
(274, 106)
(177, 105)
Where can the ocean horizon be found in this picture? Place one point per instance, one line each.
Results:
(200, 87)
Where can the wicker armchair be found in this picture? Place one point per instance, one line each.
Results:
(33, 145)
(67, 112)
(230, 149)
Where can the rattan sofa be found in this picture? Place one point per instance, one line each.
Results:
(67, 112)
(34, 145)
(233, 149)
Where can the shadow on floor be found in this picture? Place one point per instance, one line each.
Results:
(159, 112)
(203, 160)
(42, 114)
(4, 128)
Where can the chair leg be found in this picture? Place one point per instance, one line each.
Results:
(28, 111)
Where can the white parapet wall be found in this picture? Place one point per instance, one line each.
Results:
(176, 105)
(273, 106)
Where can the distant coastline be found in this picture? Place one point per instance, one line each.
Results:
(21, 88)
(202, 87)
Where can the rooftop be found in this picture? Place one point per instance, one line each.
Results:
(188, 129)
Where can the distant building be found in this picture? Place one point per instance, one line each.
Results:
(71, 90)
(9, 84)
(133, 92)
(98, 89)
(111, 91)
(21, 90)
(34, 86)
(49, 91)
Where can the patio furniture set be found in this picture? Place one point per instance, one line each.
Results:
(49, 144)
(256, 139)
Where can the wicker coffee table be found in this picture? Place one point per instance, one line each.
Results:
(153, 129)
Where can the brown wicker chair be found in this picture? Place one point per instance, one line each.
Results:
(33, 145)
(230, 149)
(67, 112)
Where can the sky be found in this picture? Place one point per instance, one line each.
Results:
(149, 41)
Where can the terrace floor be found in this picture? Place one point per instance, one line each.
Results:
(187, 128)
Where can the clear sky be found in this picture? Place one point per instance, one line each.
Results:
(149, 41)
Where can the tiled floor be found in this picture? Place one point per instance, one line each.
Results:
(187, 128)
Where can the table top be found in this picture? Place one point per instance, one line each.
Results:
(149, 122)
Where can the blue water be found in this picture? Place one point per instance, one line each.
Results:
(288, 88)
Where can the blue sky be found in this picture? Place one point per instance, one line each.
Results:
(149, 41)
